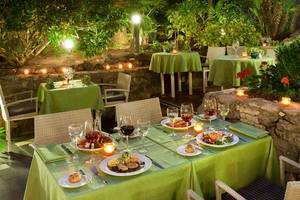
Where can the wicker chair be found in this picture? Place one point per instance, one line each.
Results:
(240, 50)
(18, 110)
(212, 53)
(117, 93)
(262, 189)
(53, 128)
(148, 109)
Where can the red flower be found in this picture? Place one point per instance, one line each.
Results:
(244, 73)
(285, 80)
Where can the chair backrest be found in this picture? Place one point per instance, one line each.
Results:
(240, 50)
(53, 128)
(214, 52)
(271, 53)
(148, 109)
(292, 190)
(4, 110)
(123, 81)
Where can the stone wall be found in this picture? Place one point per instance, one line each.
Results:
(283, 122)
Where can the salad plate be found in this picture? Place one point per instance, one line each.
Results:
(64, 181)
(218, 139)
(188, 150)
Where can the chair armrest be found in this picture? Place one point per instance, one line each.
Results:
(284, 160)
(19, 93)
(221, 186)
(107, 84)
(21, 101)
(191, 195)
(203, 56)
(115, 90)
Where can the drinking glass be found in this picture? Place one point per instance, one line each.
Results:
(172, 113)
(91, 128)
(223, 111)
(126, 128)
(75, 133)
(143, 127)
(236, 46)
(210, 110)
(186, 112)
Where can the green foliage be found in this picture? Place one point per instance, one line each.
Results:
(50, 84)
(86, 79)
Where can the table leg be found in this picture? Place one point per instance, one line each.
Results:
(162, 82)
(179, 82)
(190, 83)
(172, 86)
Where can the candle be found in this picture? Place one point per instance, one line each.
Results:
(63, 69)
(264, 44)
(44, 71)
(109, 148)
(26, 71)
(240, 92)
(120, 66)
(174, 51)
(244, 54)
(198, 127)
(285, 101)
(107, 67)
(130, 66)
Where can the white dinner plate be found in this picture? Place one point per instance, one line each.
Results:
(181, 150)
(64, 182)
(105, 169)
(201, 117)
(235, 140)
(165, 121)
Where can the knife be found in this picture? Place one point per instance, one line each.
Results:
(68, 151)
(95, 171)
(155, 163)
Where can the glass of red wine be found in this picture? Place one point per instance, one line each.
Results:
(210, 110)
(186, 111)
(126, 128)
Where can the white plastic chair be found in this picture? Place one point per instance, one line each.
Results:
(17, 110)
(146, 110)
(212, 53)
(53, 128)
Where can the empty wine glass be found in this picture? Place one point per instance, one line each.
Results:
(210, 110)
(172, 113)
(75, 133)
(186, 112)
(223, 111)
(126, 128)
(143, 127)
(236, 46)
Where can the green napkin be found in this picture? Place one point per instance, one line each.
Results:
(248, 130)
(52, 153)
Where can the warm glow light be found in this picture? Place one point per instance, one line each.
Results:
(174, 51)
(244, 54)
(26, 71)
(198, 127)
(63, 69)
(223, 32)
(136, 19)
(44, 71)
(264, 44)
(240, 92)
(285, 101)
(109, 148)
(120, 66)
(130, 66)
(68, 44)
(107, 67)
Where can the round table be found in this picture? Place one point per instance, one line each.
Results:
(170, 63)
(224, 69)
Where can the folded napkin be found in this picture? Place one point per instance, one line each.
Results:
(248, 130)
(52, 153)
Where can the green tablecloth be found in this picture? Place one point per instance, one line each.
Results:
(169, 63)
(78, 96)
(224, 69)
(180, 173)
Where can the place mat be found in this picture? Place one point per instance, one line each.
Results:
(248, 130)
(52, 153)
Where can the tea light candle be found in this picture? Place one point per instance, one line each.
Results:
(129, 66)
(109, 148)
(63, 69)
(285, 101)
(244, 54)
(107, 67)
(198, 127)
(174, 51)
(240, 92)
(120, 66)
(44, 71)
(26, 71)
(264, 44)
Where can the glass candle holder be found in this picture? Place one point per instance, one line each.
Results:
(285, 101)
(174, 51)
(198, 128)
(244, 54)
(240, 92)
(109, 148)
(26, 71)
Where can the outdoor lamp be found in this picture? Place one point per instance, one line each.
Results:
(68, 44)
(136, 20)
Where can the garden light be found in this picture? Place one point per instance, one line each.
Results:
(130, 66)
(44, 71)
(68, 44)
(285, 101)
(107, 67)
(136, 19)
(120, 66)
(26, 71)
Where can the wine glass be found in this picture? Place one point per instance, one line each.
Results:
(172, 113)
(223, 111)
(186, 111)
(143, 127)
(126, 128)
(236, 46)
(91, 131)
(75, 133)
(210, 110)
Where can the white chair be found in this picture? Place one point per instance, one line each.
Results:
(117, 93)
(240, 50)
(212, 53)
(191, 195)
(270, 191)
(146, 110)
(53, 128)
(17, 110)
(271, 53)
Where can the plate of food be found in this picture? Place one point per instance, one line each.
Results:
(125, 164)
(92, 141)
(178, 124)
(207, 117)
(188, 150)
(217, 139)
(74, 180)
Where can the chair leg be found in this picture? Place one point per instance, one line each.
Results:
(204, 82)
(8, 136)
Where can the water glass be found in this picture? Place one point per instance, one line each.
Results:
(172, 113)
(223, 112)
(143, 127)
(75, 133)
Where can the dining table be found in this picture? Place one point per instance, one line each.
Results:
(66, 97)
(224, 69)
(170, 175)
(171, 63)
